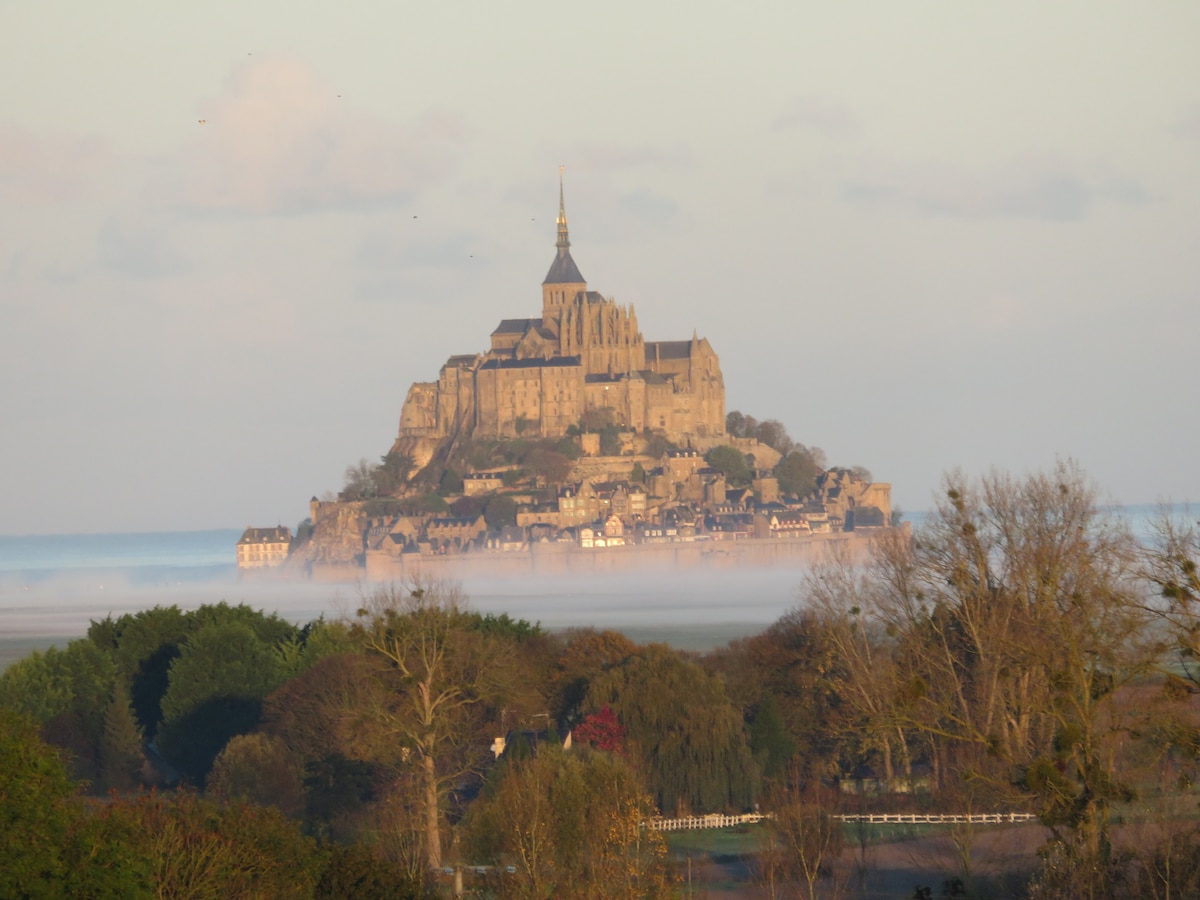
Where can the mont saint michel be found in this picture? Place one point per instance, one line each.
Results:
(584, 356)
(572, 443)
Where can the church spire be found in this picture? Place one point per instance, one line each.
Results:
(563, 270)
(564, 240)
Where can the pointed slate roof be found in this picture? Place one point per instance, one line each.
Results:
(563, 270)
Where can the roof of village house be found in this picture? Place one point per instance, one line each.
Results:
(277, 535)
(453, 521)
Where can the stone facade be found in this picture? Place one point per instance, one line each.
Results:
(262, 548)
(585, 353)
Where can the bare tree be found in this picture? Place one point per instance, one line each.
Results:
(445, 672)
(804, 842)
(1171, 564)
(1016, 618)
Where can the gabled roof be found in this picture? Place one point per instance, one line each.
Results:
(516, 326)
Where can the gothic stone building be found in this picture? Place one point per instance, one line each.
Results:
(583, 353)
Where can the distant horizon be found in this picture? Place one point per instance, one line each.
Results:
(1177, 506)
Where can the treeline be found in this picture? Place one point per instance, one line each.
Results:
(1021, 651)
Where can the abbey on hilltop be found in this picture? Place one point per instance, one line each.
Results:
(583, 354)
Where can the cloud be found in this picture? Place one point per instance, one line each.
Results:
(280, 141)
(139, 251)
(49, 169)
(815, 115)
(1025, 189)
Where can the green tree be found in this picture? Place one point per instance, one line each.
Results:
(500, 511)
(68, 692)
(610, 441)
(355, 870)
(687, 738)
(549, 465)
(144, 645)
(258, 768)
(449, 484)
(216, 690)
(731, 463)
(35, 816)
(571, 825)
(394, 471)
(797, 473)
(198, 848)
(121, 757)
(770, 742)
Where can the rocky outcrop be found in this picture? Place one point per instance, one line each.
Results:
(336, 539)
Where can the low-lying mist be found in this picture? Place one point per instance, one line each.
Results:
(693, 609)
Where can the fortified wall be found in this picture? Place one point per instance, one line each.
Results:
(584, 354)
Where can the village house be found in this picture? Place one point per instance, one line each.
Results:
(478, 483)
(260, 548)
(454, 532)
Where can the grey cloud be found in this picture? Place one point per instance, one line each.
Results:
(815, 115)
(1023, 190)
(138, 252)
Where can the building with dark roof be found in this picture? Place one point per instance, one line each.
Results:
(585, 353)
(260, 548)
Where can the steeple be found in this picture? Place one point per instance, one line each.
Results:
(563, 270)
(564, 240)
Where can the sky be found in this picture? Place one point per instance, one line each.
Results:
(925, 236)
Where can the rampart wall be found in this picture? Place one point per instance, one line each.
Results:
(568, 559)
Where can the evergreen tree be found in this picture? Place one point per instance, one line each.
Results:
(121, 754)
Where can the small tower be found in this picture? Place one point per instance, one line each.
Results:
(563, 282)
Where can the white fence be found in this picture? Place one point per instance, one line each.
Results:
(937, 819)
(716, 820)
(712, 820)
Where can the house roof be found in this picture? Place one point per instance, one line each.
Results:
(278, 535)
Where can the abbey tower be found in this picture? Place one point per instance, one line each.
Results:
(584, 353)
